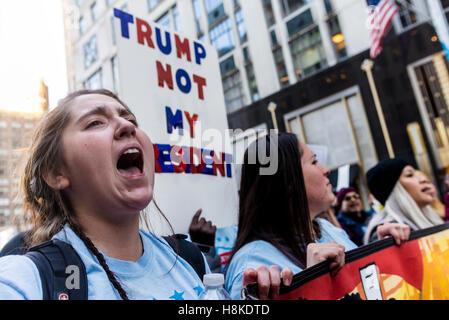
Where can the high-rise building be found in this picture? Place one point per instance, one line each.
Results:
(305, 57)
(16, 128)
(258, 41)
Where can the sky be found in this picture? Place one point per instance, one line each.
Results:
(31, 47)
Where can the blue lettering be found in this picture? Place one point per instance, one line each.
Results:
(125, 19)
(200, 52)
(182, 74)
(164, 158)
(174, 121)
(165, 49)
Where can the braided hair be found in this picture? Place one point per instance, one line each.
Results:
(47, 210)
(89, 244)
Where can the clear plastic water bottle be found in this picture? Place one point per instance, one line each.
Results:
(214, 289)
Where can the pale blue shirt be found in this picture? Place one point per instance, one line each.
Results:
(261, 253)
(157, 275)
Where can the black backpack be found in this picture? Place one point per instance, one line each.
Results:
(54, 259)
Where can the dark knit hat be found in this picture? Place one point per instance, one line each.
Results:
(383, 177)
(341, 195)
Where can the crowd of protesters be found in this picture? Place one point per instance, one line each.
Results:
(287, 221)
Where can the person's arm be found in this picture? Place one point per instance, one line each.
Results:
(202, 231)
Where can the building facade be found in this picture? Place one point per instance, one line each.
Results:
(304, 57)
(16, 129)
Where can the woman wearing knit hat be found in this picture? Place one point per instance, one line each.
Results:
(404, 194)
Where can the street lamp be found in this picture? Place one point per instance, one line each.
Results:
(272, 108)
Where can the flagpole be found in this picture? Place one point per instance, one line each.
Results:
(272, 108)
(367, 66)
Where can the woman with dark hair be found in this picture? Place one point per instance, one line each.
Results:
(277, 225)
(89, 175)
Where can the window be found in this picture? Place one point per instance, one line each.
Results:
(165, 20)
(221, 37)
(252, 82)
(153, 4)
(227, 65)
(115, 78)
(241, 26)
(268, 11)
(90, 52)
(290, 6)
(94, 11)
(212, 4)
(280, 66)
(233, 92)
(4, 191)
(407, 15)
(273, 38)
(299, 23)
(337, 37)
(328, 6)
(95, 81)
(82, 25)
(308, 53)
(197, 10)
(176, 19)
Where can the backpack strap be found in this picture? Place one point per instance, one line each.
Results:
(189, 252)
(56, 262)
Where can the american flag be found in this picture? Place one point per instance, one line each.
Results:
(380, 15)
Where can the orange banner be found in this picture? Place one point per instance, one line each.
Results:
(417, 270)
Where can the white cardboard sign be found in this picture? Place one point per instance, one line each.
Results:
(173, 85)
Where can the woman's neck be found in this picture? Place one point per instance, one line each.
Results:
(116, 239)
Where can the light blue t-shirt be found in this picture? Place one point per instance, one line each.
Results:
(155, 276)
(261, 253)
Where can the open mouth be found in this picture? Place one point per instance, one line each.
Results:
(130, 162)
(426, 190)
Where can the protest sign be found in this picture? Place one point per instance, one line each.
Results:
(417, 270)
(173, 85)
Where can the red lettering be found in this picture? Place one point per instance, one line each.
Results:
(157, 168)
(178, 161)
(142, 34)
(218, 164)
(182, 48)
(194, 168)
(191, 120)
(164, 75)
(201, 82)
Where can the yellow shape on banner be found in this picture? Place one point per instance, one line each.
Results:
(435, 255)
